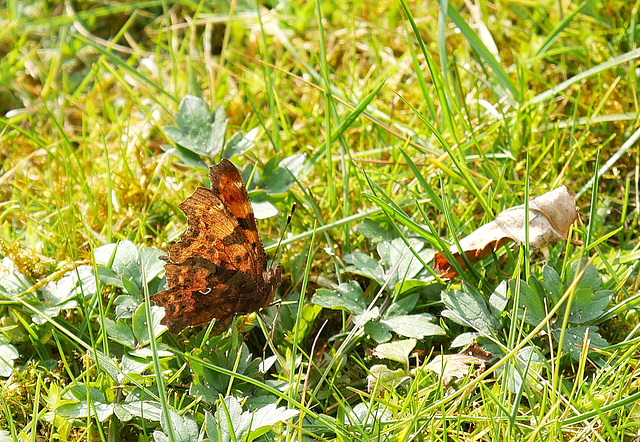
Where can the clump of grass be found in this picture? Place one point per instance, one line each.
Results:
(405, 126)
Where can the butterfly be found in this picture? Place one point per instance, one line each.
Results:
(218, 268)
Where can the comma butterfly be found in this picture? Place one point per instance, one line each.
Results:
(218, 268)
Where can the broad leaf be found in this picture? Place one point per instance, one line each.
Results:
(414, 326)
(8, 355)
(122, 258)
(231, 423)
(467, 307)
(120, 332)
(239, 143)
(280, 179)
(385, 378)
(198, 130)
(574, 340)
(373, 231)
(398, 351)
(348, 296)
(184, 428)
(532, 304)
(140, 329)
(366, 266)
(498, 299)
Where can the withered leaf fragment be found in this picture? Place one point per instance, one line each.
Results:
(550, 218)
(451, 367)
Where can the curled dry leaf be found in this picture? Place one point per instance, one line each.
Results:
(451, 367)
(550, 217)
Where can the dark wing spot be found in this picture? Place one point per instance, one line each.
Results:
(239, 258)
(246, 223)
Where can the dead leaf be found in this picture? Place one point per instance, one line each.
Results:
(550, 218)
(450, 367)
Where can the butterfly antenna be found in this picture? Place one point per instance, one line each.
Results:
(293, 209)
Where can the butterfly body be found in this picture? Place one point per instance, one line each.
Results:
(218, 268)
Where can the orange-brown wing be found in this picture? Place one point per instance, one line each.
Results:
(198, 291)
(227, 184)
(216, 269)
(214, 234)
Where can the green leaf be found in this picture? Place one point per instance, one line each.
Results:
(131, 288)
(402, 306)
(108, 276)
(184, 428)
(588, 302)
(464, 339)
(398, 351)
(151, 263)
(140, 329)
(531, 303)
(131, 364)
(348, 296)
(45, 314)
(373, 231)
(590, 281)
(378, 331)
(231, 423)
(552, 283)
(149, 410)
(266, 417)
(264, 209)
(122, 258)
(397, 251)
(226, 420)
(467, 307)
(587, 306)
(387, 378)
(8, 355)
(77, 410)
(574, 340)
(366, 266)
(185, 157)
(126, 306)
(530, 365)
(281, 178)
(12, 282)
(414, 326)
(77, 282)
(81, 392)
(198, 130)
(119, 332)
(498, 299)
(239, 143)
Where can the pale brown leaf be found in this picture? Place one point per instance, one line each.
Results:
(550, 218)
(450, 367)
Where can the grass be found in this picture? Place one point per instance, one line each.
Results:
(416, 125)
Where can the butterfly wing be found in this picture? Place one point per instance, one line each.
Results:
(213, 234)
(227, 184)
(198, 291)
(217, 268)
